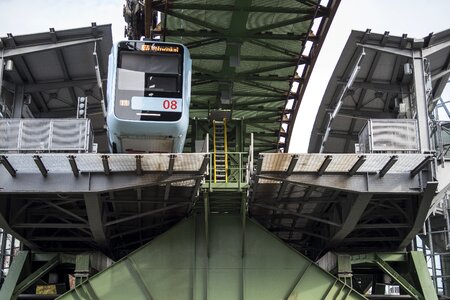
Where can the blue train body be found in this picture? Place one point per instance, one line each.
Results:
(148, 96)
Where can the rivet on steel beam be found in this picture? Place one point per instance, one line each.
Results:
(105, 161)
(8, 166)
(422, 165)
(357, 165)
(138, 165)
(73, 165)
(324, 165)
(388, 165)
(38, 161)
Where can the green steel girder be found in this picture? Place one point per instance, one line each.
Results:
(218, 257)
(276, 48)
(411, 290)
(223, 7)
(238, 94)
(35, 276)
(258, 102)
(202, 75)
(263, 86)
(283, 23)
(261, 127)
(261, 139)
(196, 21)
(269, 68)
(134, 272)
(250, 58)
(81, 265)
(423, 276)
(263, 116)
(242, 37)
(416, 280)
(204, 42)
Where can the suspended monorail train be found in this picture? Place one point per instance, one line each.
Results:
(148, 97)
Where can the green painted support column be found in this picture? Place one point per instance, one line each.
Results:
(245, 261)
(423, 275)
(82, 268)
(7, 290)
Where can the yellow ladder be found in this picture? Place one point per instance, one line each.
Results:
(220, 151)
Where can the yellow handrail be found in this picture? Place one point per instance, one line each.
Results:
(225, 148)
(214, 155)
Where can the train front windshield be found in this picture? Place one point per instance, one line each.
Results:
(149, 82)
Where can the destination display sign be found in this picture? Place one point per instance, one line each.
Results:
(161, 48)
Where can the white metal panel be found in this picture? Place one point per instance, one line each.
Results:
(278, 162)
(341, 163)
(188, 162)
(309, 162)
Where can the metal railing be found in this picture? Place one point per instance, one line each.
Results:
(45, 135)
(389, 135)
(239, 169)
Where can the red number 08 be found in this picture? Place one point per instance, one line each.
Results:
(170, 104)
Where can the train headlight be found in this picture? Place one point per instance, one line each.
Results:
(124, 102)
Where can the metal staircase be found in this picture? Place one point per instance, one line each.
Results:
(220, 156)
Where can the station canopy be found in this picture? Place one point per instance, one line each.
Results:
(52, 69)
(251, 59)
(380, 84)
